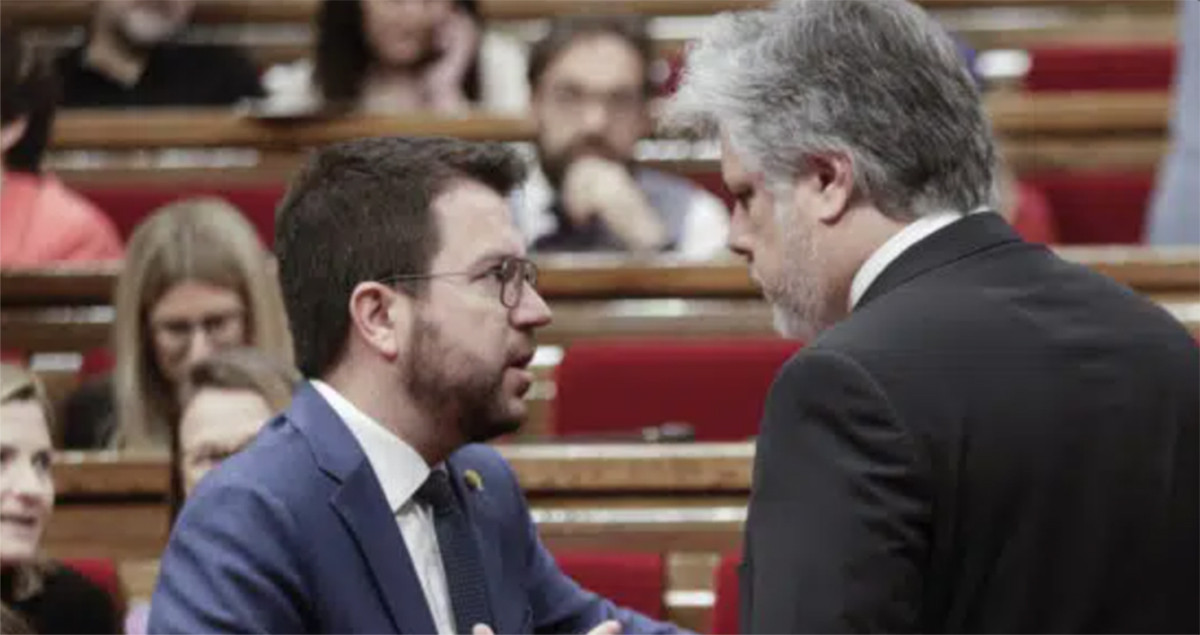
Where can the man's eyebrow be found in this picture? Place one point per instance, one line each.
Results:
(493, 256)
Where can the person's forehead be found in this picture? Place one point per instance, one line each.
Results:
(602, 61)
(733, 169)
(216, 412)
(24, 424)
(474, 221)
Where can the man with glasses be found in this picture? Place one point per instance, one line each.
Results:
(590, 84)
(370, 505)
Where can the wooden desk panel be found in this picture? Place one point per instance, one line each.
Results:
(1090, 114)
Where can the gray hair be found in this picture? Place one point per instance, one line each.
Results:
(877, 81)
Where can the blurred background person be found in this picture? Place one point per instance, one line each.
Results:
(48, 597)
(196, 279)
(1174, 217)
(590, 101)
(390, 56)
(131, 57)
(227, 398)
(41, 221)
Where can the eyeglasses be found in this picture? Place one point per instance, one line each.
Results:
(223, 329)
(511, 272)
(573, 99)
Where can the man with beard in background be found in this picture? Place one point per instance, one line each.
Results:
(131, 58)
(371, 505)
(590, 84)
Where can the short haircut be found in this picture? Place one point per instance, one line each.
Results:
(566, 31)
(243, 369)
(877, 81)
(359, 211)
(28, 89)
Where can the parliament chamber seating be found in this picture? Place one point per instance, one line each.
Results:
(649, 383)
(1096, 207)
(1100, 67)
(129, 204)
(633, 580)
(727, 588)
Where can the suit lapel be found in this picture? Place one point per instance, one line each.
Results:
(361, 504)
(961, 239)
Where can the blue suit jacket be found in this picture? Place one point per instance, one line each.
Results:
(294, 535)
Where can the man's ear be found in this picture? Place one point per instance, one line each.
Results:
(11, 133)
(832, 180)
(378, 316)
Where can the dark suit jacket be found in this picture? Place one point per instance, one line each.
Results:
(294, 535)
(994, 440)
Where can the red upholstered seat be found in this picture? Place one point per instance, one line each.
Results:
(725, 609)
(1096, 207)
(128, 205)
(1034, 220)
(717, 386)
(98, 571)
(1101, 67)
(632, 580)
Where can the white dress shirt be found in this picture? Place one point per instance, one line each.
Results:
(401, 472)
(899, 243)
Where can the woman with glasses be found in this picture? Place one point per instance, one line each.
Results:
(196, 280)
(39, 595)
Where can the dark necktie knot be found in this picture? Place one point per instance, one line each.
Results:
(437, 493)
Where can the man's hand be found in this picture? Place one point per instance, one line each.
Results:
(595, 187)
(611, 627)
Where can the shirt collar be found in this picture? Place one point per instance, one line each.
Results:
(899, 243)
(398, 467)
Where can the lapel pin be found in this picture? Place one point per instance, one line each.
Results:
(474, 480)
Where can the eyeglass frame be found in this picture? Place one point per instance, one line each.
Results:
(527, 271)
(212, 325)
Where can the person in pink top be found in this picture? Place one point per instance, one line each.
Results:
(41, 221)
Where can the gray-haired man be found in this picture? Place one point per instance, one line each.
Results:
(981, 436)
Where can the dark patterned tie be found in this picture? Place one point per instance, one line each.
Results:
(460, 555)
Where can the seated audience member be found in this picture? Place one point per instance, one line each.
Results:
(196, 279)
(41, 221)
(131, 58)
(226, 400)
(591, 91)
(1175, 212)
(46, 596)
(390, 56)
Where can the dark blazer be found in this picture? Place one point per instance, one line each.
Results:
(994, 440)
(294, 535)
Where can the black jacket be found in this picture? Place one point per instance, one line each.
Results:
(994, 440)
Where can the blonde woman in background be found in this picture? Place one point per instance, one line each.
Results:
(47, 597)
(196, 279)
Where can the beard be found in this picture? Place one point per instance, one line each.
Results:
(457, 388)
(798, 294)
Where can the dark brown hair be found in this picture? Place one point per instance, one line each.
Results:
(360, 210)
(566, 31)
(28, 88)
(344, 55)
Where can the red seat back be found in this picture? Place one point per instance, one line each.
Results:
(632, 580)
(1102, 67)
(98, 571)
(129, 205)
(1096, 207)
(725, 609)
(1034, 220)
(717, 386)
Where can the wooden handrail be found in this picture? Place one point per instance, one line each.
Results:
(1150, 270)
(542, 469)
(78, 12)
(1012, 115)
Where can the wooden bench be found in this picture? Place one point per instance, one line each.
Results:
(685, 501)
